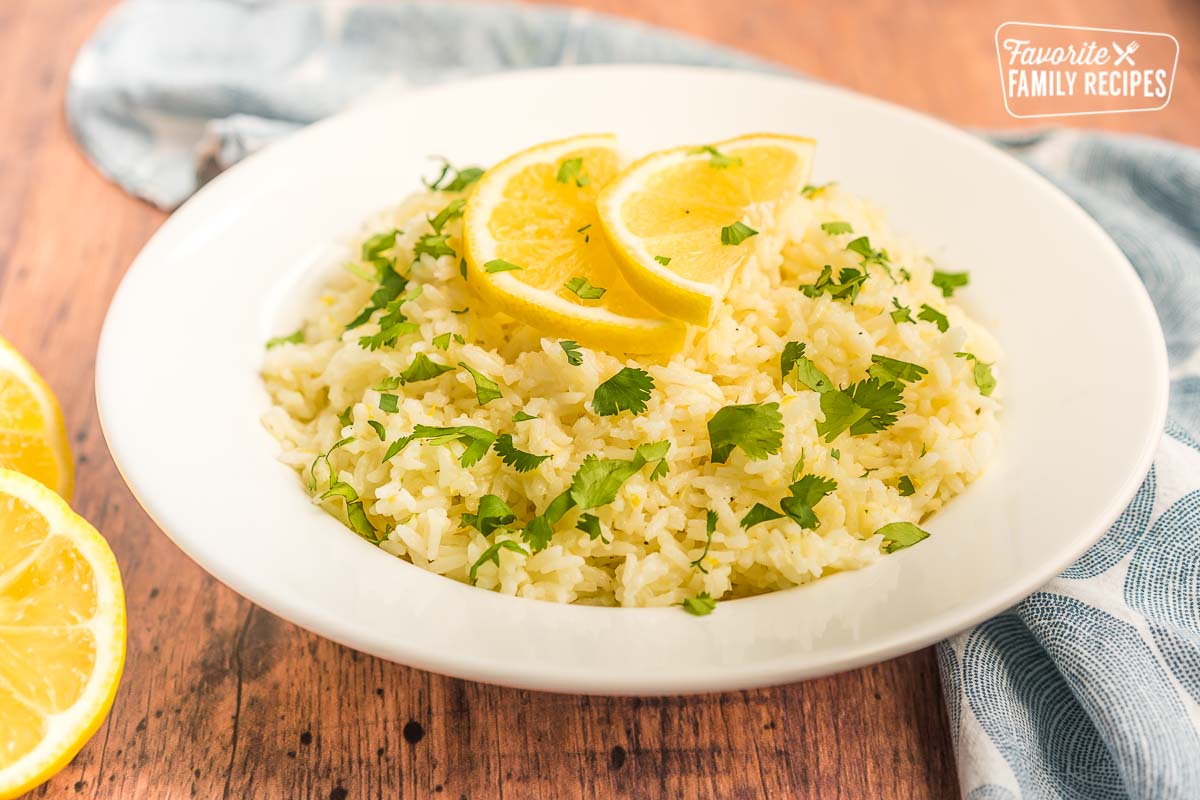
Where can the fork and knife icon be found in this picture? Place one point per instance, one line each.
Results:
(1125, 54)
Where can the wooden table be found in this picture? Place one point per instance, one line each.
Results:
(221, 699)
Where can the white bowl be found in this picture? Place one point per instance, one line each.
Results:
(180, 398)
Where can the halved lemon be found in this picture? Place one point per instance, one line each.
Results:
(682, 221)
(531, 233)
(33, 439)
(62, 632)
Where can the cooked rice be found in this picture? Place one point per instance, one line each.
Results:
(942, 440)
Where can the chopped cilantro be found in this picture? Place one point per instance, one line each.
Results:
(847, 287)
(521, 416)
(453, 180)
(864, 407)
(806, 493)
(931, 314)
(737, 233)
(511, 456)
(905, 485)
(486, 389)
(433, 245)
(540, 530)
(902, 313)
(701, 605)
(389, 403)
(423, 368)
(452, 211)
(380, 431)
(899, 535)
(492, 554)
(347, 416)
(442, 341)
(835, 228)
(388, 334)
(571, 170)
(391, 286)
(628, 390)
(492, 513)
(984, 378)
(312, 470)
(797, 370)
(375, 246)
(664, 260)
(759, 514)
(572, 350)
(837, 454)
(810, 190)
(949, 281)
(710, 527)
(361, 524)
(499, 265)
(476, 441)
(756, 429)
(590, 524)
(717, 160)
(296, 337)
(891, 369)
(584, 290)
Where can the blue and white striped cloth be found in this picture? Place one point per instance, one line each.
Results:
(1090, 688)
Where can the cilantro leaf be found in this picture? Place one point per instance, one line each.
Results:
(737, 233)
(492, 554)
(433, 245)
(701, 605)
(891, 369)
(756, 429)
(458, 179)
(905, 485)
(347, 416)
(835, 228)
(297, 337)
(811, 190)
(491, 514)
(598, 480)
(584, 290)
(521, 416)
(499, 265)
(538, 532)
(312, 470)
(570, 170)
(806, 493)
(375, 246)
(931, 314)
(380, 431)
(664, 260)
(710, 527)
(391, 286)
(902, 313)
(759, 514)
(847, 286)
(451, 211)
(717, 160)
(442, 341)
(864, 407)
(984, 379)
(423, 368)
(477, 441)
(361, 524)
(899, 535)
(511, 456)
(486, 389)
(949, 281)
(389, 403)
(590, 524)
(628, 390)
(572, 350)
(798, 370)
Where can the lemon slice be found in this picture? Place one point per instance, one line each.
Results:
(33, 439)
(664, 216)
(62, 632)
(536, 210)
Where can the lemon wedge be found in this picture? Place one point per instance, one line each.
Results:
(62, 632)
(33, 439)
(683, 221)
(534, 249)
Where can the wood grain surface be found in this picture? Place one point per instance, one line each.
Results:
(221, 699)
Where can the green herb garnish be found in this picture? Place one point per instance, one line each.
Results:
(572, 350)
(433, 245)
(492, 513)
(905, 485)
(737, 233)
(296, 337)
(584, 290)
(452, 211)
(797, 370)
(521, 416)
(984, 379)
(453, 180)
(442, 341)
(389, 403)
(710, 527)
(902, 313)
(500, 265)
(717, 160)
(380, 431)
(891, 369)
(835, 228)
(931, 314)
(493, 554)
(423, 368)
(511, 456)
(486, 389)
(756, 429)
(664, 260)
(701, 605)
(628, 390)
(949, 281)
(570, 170)
(899, 535)
(864, 407)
